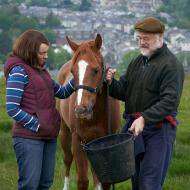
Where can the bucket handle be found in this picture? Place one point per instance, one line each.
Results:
(133, 137)
(84, 147)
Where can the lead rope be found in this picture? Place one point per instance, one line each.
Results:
(108, 109)
(108, 116)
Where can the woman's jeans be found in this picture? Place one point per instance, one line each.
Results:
(36, 162)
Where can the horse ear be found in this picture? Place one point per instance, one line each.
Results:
(74, 46)
(98, 41)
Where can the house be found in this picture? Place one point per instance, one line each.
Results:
(179, 38)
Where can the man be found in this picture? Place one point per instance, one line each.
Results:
(151, 89)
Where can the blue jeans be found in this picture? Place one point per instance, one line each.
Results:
(152, 165)
(36, 162)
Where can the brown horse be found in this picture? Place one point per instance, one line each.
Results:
(84, 113)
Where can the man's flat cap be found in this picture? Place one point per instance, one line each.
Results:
(150, 25)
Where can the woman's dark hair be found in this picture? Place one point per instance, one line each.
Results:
(27, 46)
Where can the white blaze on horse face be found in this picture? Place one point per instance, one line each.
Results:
(82, 65)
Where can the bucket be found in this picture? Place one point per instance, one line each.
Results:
(112, 157)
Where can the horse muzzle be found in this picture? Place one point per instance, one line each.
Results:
(84, 112)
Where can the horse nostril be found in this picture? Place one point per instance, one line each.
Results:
(89, 109)
(80, 110)
(83, 110)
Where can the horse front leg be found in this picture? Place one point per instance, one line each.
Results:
(81, 164)
(106, 186)
(66, 141)
(97, 184)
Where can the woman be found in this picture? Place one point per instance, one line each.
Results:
(30, 101)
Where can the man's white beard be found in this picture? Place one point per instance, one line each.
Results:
(148, 52)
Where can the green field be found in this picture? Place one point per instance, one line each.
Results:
(178, 177)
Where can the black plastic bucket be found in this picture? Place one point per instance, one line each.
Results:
(112, 157)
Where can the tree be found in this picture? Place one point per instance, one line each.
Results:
(25, 23)
(7, 16)
(186, 10)
(184, 57)
(51, 35)
(8, 2)
(5, 21)
(50, 61)
(6, 43)
(3, 2)
(56, 60)
(41, 3)
(67, 2)
(5, 47)
(52, 21)
(179, 10)
(127, 58)
(85, 5)
(61, 58)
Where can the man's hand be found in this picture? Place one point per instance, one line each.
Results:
(110, 74)
(137, 126)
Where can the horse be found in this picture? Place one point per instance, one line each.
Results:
(84, 114)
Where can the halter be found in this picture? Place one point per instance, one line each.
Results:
(96, 89)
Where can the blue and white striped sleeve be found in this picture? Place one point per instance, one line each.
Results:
(63, 91)
(16, 82)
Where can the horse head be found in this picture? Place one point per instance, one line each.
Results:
(88, 71)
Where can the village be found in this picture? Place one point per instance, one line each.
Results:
(114, 20)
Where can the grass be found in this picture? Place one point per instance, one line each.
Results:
(5, 121)
(178, 177)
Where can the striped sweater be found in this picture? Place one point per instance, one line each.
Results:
(16, 82)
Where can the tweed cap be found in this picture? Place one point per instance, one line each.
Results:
(150, 25)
